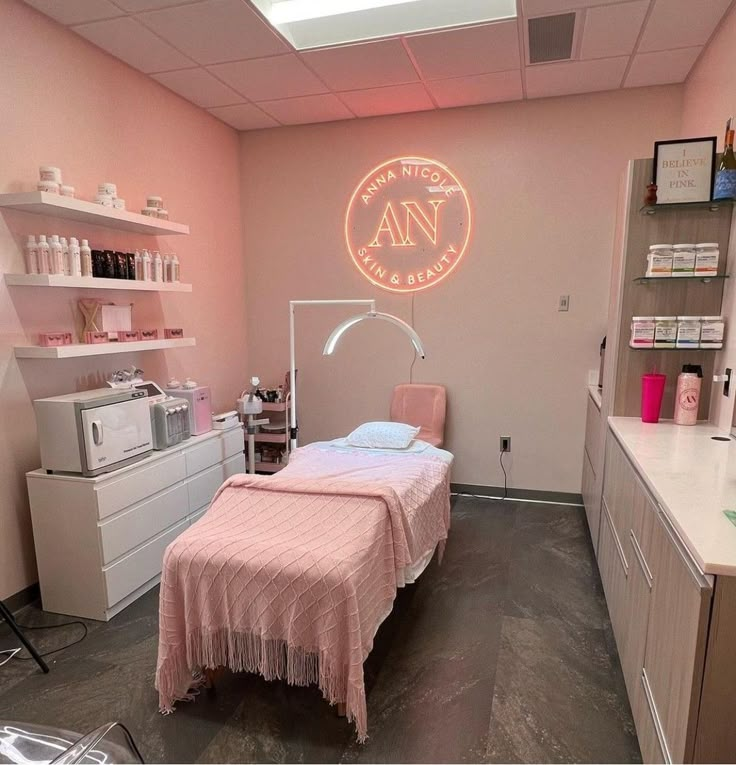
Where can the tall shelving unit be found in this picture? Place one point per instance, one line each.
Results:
(53, 205)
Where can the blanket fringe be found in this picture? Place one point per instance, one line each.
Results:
(179, 677)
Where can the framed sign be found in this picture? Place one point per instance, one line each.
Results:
(684, 170)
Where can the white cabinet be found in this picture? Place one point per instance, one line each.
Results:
(100, 541)
(592, 469)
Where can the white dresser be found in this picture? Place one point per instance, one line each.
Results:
(100, 541)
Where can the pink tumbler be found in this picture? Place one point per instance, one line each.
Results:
(652, 390)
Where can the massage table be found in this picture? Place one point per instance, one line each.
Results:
(291, 575)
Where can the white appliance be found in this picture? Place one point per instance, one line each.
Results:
(93, 432)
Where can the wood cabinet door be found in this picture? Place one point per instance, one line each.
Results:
(676, 637)
(593, 434)
(591, 500)
(618, 490)
(614, 577)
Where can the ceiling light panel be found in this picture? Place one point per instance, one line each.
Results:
(321, 23)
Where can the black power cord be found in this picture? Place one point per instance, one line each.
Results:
(54, 627)
(505, 477)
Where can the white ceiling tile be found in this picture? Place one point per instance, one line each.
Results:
(681, 23)
(571, 77)
(661, 67)
(478, 89)
(307, 109)
(136, 6)
(266, 79)
(472, 50)
(243, 117)
(613, 30)
(76, 11)
(394, 99)
(199, 87)
(134, 44)
(368, 65)
(543, 7)
(215, 31)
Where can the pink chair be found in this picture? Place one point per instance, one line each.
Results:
(422, 406)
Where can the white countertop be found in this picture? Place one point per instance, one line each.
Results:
(694, 480)
(595, 393)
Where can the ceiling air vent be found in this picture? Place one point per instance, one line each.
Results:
(551, 38)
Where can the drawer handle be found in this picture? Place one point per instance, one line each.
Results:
(97, 432)
(642, 560)
(654, 712)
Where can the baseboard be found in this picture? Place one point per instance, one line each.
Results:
(23, 598)
(532, 495)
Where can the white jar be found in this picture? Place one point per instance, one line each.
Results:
(711, 333)
(642, 332)
(49, 173)
(118, 203)
(104, 199)
(67, 191)
(163, 214)
(107, 188)
(706, 259)
(683, 260)
(154, 201)
(665, 332)
(659, 260)
(688, 332)
(51, 187)
(151, 212)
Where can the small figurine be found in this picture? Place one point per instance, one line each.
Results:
(651, 196)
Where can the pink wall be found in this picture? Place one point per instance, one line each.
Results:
(709, 99)
(64, 102)
(543, 179)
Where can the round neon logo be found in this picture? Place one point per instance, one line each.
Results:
(408, 223)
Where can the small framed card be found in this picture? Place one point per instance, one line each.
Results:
(684, 170)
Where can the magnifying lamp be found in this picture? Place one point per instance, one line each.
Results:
(344, 326)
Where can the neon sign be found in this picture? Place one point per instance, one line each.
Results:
(407, 224)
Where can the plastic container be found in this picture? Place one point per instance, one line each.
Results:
(50, 187)
(49, 173)
(44, 255)
(75, 257)
(683, 260)
(712, 329)
(65, 255)
(642, 332)
(707, 255)
(107, 188)
(665, 331)
(31, 252)
(66, 191)
(155, 202)
(163, 214)
(56, 255)
(659, 260)
(103, 199)
(146, 265)
(86, 257)
(688, 332)
(652, 390)
(175, 271)
(151, 212)
(687, 395)
(157, 267)
(118, 203)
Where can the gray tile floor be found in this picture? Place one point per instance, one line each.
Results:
(504, 653)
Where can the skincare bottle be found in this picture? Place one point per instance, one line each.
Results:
(75, 257)
(158, 268)
(86, 257)
(146, 261)
(167, 268)
(65, 256)
(138, 267)
(44, 256)
(687, 396)
(174, 268)
(31, 250)
(56, 255)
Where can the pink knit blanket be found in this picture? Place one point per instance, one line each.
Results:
(290, 576)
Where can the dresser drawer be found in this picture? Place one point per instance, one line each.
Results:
(215, 450)
(202, 487)
(141, 522)
(593, 434)
(139, 484)
(135, 569)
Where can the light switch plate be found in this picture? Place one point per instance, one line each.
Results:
(564, 303)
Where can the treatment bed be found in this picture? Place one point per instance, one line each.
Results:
(291, 575)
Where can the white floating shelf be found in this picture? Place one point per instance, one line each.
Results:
(43, 203)
(91, 282)
(99, 349)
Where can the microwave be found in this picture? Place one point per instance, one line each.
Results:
(93, 432)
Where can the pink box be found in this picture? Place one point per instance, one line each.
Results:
(95, 337)
(68, 338)
(149, 334)
(129, 336)
(174, 333)
(50, 339)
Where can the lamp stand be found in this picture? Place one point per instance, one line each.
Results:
(10, 619)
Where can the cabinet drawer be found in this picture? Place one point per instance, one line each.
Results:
(194, 517)
(618, 489)
(202, 487)
(138, 567)
(138, 524)
(593, 434)
(643, 517)
(614, 576)
(647, 726)
(137, 485)
(591, 500)
(215, 450)
(676, 638)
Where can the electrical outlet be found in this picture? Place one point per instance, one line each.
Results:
(727, 384)
(564, 304)
(505, 444)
